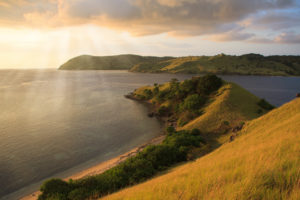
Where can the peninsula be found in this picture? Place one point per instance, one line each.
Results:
(227, 135)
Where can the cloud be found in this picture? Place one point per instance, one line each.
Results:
(283, 38)
(231, 36)
(288, 38)
(274, 20)
(221, 19)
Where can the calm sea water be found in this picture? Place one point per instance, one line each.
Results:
(55, 123)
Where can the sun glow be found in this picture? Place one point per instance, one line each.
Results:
(28, 48)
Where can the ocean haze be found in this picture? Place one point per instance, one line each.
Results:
(52, 121)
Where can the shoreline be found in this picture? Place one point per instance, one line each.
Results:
(103, 166)
(108, 164)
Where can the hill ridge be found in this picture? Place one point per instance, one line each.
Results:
(247, 64)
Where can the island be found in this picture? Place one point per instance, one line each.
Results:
(248, 64)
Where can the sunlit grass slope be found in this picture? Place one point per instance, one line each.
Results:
(232, 105)
(262, 163)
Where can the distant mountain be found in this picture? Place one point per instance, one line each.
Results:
(118, 62)
(249, 64)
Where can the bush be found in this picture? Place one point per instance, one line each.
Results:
(55, 188)
(155, 90)
(208, 84)
(170, 129)
(154, 158)
(79, 194)
(184, 138)
(162, 156)
(185, 118)
(193, 102)
(265, 105)
(195, 131)
(226, 123)
(163, 111)
(162, 95)
(148, 94)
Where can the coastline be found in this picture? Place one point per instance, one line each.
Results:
(108, 164)
(103, 166)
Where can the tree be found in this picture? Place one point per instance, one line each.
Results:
(208, 84)
(193, 102)
(148, 93)
(55, 186)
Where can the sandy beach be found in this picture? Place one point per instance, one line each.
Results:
(103, 166)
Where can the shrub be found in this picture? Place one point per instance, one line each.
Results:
(193, 102)
(163, 111)
(162, 95)
(208, 84)
(183, 138)
(188, 87)
(155, 90)
(185, 118)
(55, 188)
(170, 129)
(226, 123)
(265, 105)
(195, 131)
(144, 165)
(148, 94)
(79, 194)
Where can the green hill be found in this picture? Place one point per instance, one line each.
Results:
(222, 107)
(249, 64)
(263, 162)
(119, 62)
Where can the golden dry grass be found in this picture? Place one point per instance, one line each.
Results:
(263, 163)
(232, 103)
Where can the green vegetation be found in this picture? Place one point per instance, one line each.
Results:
(263, 162)
(249, 64)
(265, 105)
(177, 147)
(203, 102)
(119, 62)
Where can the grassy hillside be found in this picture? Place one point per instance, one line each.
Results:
(196, 103)
(119, 62)
(224, 107)
(232, 104)
(263, 162)
(250, 64)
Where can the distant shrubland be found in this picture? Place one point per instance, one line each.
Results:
(249, 64)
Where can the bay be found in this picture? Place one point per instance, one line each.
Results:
(55, 123)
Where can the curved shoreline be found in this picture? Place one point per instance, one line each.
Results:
(103, 166)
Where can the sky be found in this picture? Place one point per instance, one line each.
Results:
(46, 33)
